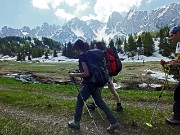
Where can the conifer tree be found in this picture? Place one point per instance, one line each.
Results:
(54, 53)
(29, 57)
(166, 46)
(37, 52)
(148, 44)
(131, 45)
(103, 43)
(64, 53)
(92, 43)
(19, 57)
(139, 42)
(118, 44)
(139, 45)
(125, 46)
(111, 43)
(46, 55)
(70, 53)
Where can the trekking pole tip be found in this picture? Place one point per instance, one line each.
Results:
(149, 125)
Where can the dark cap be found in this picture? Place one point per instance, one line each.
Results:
(175, 29)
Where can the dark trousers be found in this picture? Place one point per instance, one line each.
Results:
(85, 92)
(176, 105)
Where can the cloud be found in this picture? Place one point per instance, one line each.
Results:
(85, 18)
(82, 7)
(103, 11)
(77, 9)
(100, 10)
(61, 13)
(71, 3)
(56, 3)
(41, 4)
(149, 1)
(44, 4)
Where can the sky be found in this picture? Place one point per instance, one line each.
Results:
(33, 13)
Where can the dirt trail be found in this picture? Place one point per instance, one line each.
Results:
(57, 124)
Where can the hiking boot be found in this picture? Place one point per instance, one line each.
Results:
(74, 124)
(113, 127)
(118, 108)
(91, 106)
(173, 121)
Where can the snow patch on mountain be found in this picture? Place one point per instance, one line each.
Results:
(78, 32)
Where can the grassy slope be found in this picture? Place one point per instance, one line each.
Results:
(27, 108)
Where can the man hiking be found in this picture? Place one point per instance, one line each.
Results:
(86, 90)
(111, 87)
(174, 35)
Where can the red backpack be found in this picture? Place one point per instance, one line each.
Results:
(113, 62)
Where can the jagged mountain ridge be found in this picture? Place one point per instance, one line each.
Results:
(116, 26)
(74, 29)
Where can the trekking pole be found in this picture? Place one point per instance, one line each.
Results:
(86, 105)
(92, 100)
(166, 71)
(97, 108)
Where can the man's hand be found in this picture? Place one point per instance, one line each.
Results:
(71, 75)
(162, 62)
(172, 63)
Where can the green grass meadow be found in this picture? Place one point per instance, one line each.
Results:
(44, 109)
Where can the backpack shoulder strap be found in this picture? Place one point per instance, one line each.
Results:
(110, 51)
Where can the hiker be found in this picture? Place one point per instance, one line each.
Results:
(86, 90)
(174, 35)
(118, 107)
